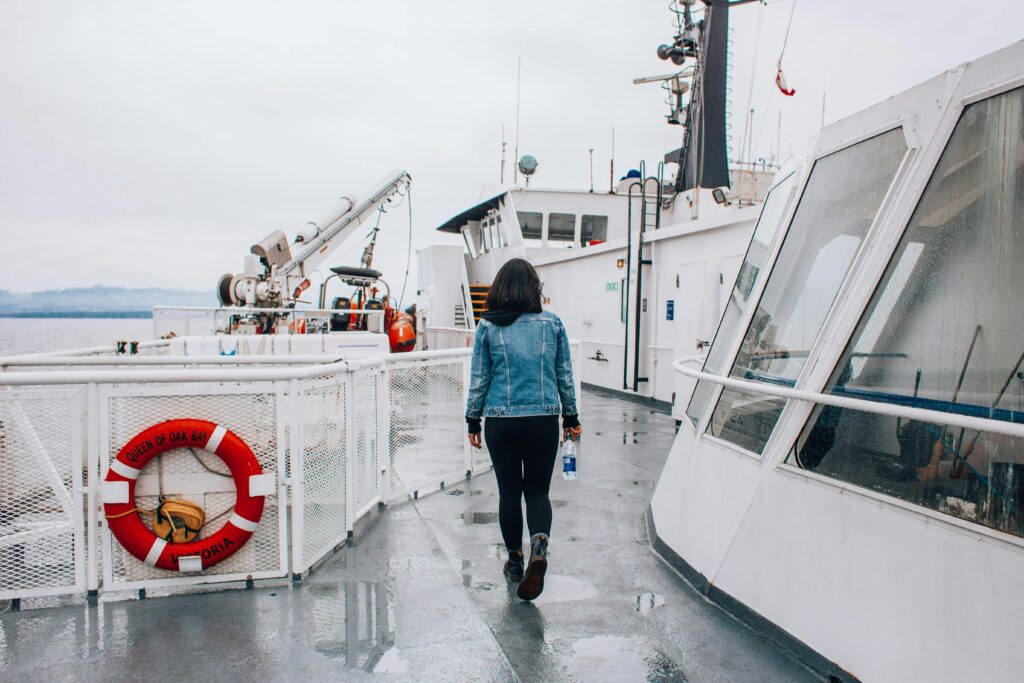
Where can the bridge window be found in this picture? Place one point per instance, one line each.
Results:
(775, 205)
(593, 229)
(531, 223)
(839, 204)
(561, 230)
(942, 332)
(467, 237)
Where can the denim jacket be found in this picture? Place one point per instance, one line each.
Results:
(521, 369)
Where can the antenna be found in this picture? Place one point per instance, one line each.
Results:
(611, 170)
(778, 138)
(503, 145)
(519, 82)
(591, 150)
(823, 94)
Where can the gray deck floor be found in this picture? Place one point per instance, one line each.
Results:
(419, 596)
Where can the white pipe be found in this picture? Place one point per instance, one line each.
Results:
(171, 376)
(921, 414)
(35, 361)
(249, 309)
(429, 355)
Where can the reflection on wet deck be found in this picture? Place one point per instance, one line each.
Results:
(419, 595)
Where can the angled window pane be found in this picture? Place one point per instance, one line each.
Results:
(839, 204)
(775, 205)
(943, 332)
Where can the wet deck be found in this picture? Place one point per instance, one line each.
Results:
(419, 596)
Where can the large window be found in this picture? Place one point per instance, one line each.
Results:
(531, 223)
(943, 331)
(561, 229)
(593, 229)
(775, 205)
(843, 194)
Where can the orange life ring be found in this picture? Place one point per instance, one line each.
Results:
(137, 539)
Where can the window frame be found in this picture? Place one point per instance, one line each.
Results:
(798, 417)
(866, 248)
(572, 242)
(784, 219)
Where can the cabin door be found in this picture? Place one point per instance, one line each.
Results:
(690, 305)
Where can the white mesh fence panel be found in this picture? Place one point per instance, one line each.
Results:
(42, 549)
(365, 395)
(321, 472)
(427, 426)
(195, 475)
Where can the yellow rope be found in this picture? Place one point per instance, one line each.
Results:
(175, 520)
(125, 514)
(178, 520)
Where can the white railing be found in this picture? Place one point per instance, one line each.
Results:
(877, 407)
(339, 438)
(447, 338)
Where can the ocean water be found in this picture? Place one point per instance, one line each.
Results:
(34, 335)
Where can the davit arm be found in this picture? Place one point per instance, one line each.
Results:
(272, 273)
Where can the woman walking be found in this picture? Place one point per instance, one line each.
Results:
(521, 381)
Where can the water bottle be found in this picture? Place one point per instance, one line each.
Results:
(569, 459)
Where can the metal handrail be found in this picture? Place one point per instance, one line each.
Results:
(35, 361)
(248, 309)
(892, 410)
(215, 375)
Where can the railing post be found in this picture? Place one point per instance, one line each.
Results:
(297, 478)
(92, 426)
(384, 433)
(467, 363)
(351, 439)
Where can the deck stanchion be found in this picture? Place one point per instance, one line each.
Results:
(467, 367)
(384, 434)
(92, 432)
(295, 452)
(350, 451)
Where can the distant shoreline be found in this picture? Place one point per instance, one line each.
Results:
(77, 314)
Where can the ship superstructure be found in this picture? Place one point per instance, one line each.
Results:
(849, 473)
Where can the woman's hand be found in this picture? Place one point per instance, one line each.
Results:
(474, 440)
(574, 432)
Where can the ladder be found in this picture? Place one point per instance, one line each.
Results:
(649, 218)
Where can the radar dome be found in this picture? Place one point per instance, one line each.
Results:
(528, 165)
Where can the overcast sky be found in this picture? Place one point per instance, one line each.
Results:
(150, 143)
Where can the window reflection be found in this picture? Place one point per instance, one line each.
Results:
(942, 332)
(561, 229)
(593, 229)
(839, 204)
(775, 205)
(531, 223)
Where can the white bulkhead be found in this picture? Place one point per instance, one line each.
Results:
(875, 512)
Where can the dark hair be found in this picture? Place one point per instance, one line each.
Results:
(516, 288)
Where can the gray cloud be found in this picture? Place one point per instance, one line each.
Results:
(151, 143)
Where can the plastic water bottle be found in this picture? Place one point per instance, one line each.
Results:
(569, 459)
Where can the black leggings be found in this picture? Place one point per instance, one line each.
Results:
(523, 451)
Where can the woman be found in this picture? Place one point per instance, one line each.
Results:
(521, 381)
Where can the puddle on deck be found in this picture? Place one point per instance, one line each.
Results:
(352, 623)
(618, 658)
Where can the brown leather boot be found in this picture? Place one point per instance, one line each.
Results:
(532, 584)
